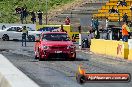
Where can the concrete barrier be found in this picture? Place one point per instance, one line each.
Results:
(130, 43)
(10, 76)
(110, 47)
(130, 54)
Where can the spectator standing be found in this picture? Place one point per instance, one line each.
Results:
(125, 32)
(33, 17)
(24, 14)
(67, 21)
(21, 15)
(125, 18)
(3, 27)
(96, 24)
(91, 34)
(40, 13)
(24, 35)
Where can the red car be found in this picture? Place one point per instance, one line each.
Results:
(54, 45)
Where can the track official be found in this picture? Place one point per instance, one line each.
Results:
(24, 35)
(125, 32)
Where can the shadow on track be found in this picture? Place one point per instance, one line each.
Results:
(61, 59)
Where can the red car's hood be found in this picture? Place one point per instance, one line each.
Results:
(57, 43)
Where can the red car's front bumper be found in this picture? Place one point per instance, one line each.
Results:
(58, 53)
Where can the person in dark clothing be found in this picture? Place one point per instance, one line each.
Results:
(3, 27)
(120, 1)
(18, 10)
(33, 17)
(125, 18)
(40, 17)
(123, 3)
(21, 16)
(96, 23)
(112, 10)
(24, 35)
(24, 14)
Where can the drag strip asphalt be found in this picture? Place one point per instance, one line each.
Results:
(62, 73)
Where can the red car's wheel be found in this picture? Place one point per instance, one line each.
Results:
(73, 58)
(5, 37)
(40, 57)
(36, 57)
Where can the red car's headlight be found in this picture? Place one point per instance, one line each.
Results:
(45, 47)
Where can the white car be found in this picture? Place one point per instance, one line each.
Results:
(15, 32)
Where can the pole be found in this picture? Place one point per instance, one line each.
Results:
(111, 35)
(131, 12)
(102, 2)
(46, 12)
(80, 37)
(0, 14)
(119, 16)
(80, 41)
(106, 25)
(131, 15)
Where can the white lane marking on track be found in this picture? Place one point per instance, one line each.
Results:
(86, 52)
(78, 50)
(82, 51)
(80, 56)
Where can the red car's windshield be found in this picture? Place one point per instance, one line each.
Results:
(56, 37)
